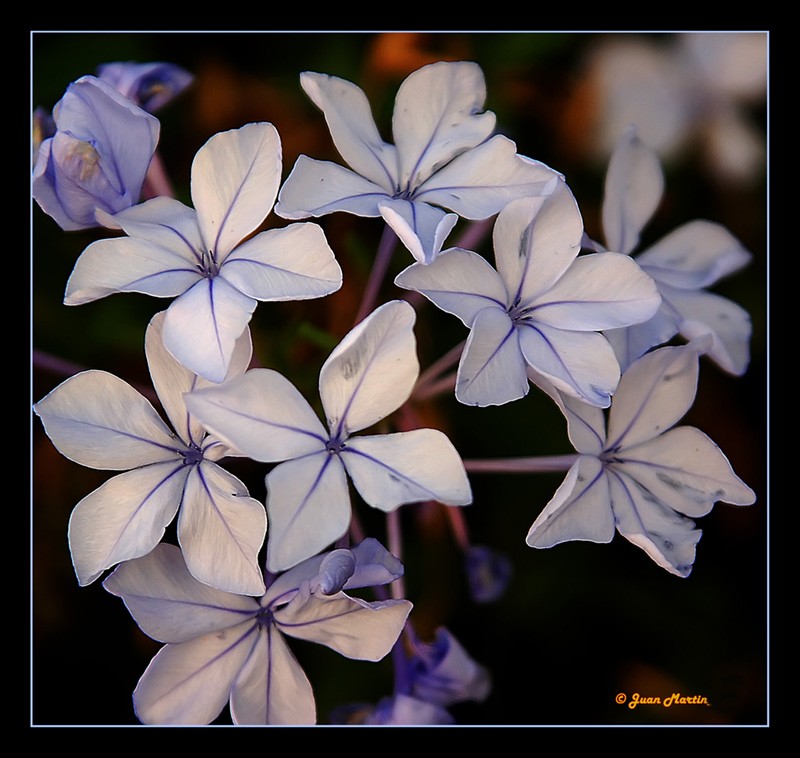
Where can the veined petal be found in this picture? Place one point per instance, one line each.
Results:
(586, 424)
(235, 178)
(261, 414)
(125, 518)
(352, 127)
(308, 504)
(580, 364)
(633, 189)
(598, 291)
(632, 342)
(372, 371)
(389, 470)
(694, 255)
(169, 604)
(685, 470)
(221, 530)
(316, 188)
(202, 325)
(482, 181)
(293, 263)
(492, 368)
(535, 241)
(580, 509)
(459, 282)
(272, 687)
(420, 227)
(436, 117)
(98, 420)
(350, 626)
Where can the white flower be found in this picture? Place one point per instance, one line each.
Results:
(542, 308)
(225, 647)
(368, 376)
(640, 475)
(443, 157)
(100, 421)
(205, 257)
(683, 263)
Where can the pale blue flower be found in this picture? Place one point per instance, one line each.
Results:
(443, 157)
(150, 85)
(488, 573)
(228, 648)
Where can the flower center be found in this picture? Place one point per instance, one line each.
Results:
(518, 312)
(192, 456)
(208, 265)
(335, 445)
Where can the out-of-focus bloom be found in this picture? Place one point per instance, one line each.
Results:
(639, 475)
(369, 375)
(150, 85)
(543, 307)
(443, 158)
(205, 258)
(488, 573)
(100, 421)
(42, 127)
(96, 159)
(694, 256)
(223, 647)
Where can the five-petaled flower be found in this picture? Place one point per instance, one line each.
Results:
(369, 375)
(223, 647)
(204, 257)
(443, 158)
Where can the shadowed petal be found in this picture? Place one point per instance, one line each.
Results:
(632, 342)
(420, 227)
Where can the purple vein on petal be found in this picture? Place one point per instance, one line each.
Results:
(392, 470)
(212, 500)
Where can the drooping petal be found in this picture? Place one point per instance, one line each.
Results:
(272, 687)
(352, 127)
(308, 505)
(458, 281)
(580, 509)
(293, 263)
(202, 325)
(261, 414)
(420, 227)
(598, 291)
(235, 178)
(169, 604)
(482, 181)
(633, 189)
(98, 420)
(221, 530)
(125, 518)
(492, 368)
(437, 116)
(581, 364)
(407, 467)
(372, 371)
(632, 342)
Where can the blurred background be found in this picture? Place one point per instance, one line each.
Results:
(579, 622)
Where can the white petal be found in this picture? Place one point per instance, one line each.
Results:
(221, 530)
(308, 504)
(598, 291)
(632, 342)
(458, 281)
(633, 190)
(235, 178)
(272, 687)
(492, 367)
(694, 255)
(261, 414)
(579, 510)
(202, 325)
(352, 127)
(96, 419)
(293, 263)
(437, 116)
(653, 394)
(408, 467)
(372, 371)
(581, 364)
(420, 227)
(482, 181)
(190, 683)
(124, 518)
(168, 603)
